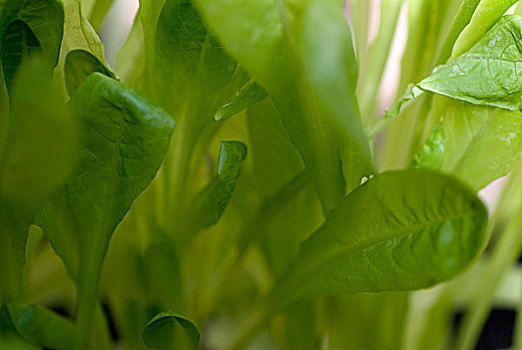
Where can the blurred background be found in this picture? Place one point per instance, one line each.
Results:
(499, 328)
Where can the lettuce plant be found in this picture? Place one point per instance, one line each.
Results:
(229, 184)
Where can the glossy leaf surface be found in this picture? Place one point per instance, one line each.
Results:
(401, 230)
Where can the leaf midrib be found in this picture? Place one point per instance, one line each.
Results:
(329, 261)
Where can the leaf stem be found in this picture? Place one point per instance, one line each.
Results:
(503, 256)
(250, 328)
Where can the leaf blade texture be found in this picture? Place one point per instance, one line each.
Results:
(401, 230)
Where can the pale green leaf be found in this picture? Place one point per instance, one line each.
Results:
(484, 17)
(431, 155)
(482, 143)
(79, 34)
(282, 46)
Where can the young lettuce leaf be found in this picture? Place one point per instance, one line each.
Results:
(79, 34)
(282, 47)
(401, 230)
(30, 171)
(28, 27)
(212, 201)
(484, 17)
(431, 155)
(488, 74)
(79, 64)
(168, 331)
(41, 326)
(124, 138)
(248, 95)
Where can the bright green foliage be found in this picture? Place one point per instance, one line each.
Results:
(482, 143)
(228, 175)
(409, 239)
(284, 53)
(123, 142)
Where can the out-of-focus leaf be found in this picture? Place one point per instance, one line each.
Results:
(130, 59)
(282, 47)
(29, 27)
(79, 64)
(97, 10)
(399, 231)
(124, 138)
(37, 154)
(212, 201)
(170, 331)
(37, 148)
(462, 19)
(248, 95)
(41, 326)
(164, 288)
(352, 321)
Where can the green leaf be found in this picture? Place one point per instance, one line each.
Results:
(482, 143)
(192, 68)
(466, 10)
(41, 326)
(484, 17)
(79, 34)
(28, 27)
(311, 80)
(431, 155)
(97, 10)
(401, 230)
(248, 95)
(489, 73)
(79, 64)
(38, 144)
(130, 59)
(212, 201)
(170, 331)
(37, 154)
(124, 138)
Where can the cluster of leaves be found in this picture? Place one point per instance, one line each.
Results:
(228, 170)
